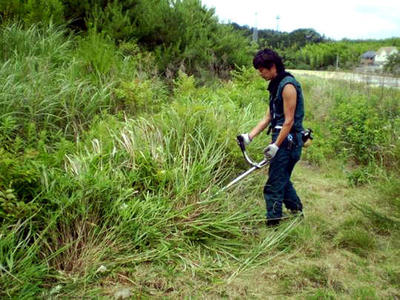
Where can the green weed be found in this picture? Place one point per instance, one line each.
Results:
(366, 292)
(104, 164)
(356, 240)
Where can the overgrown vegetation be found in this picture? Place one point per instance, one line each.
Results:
(180, 34)
(307, 49)
(392, 65)
(186, 35)
(108, 171)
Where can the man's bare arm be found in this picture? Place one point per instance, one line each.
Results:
(261, 125)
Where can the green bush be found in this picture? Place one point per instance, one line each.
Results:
(43, 11)
(346, 53)
(356, 125)
(181, 34)
(20, 172)
(140, 95)
(11, 209)
(361, 175)
(357, 129)
(33, 11)
(97, 53)
(393, 64)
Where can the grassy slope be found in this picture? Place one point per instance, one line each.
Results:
(132, 193)
(335, 252)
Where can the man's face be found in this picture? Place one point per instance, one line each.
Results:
(267, 74)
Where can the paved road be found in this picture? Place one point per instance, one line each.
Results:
(373, 80)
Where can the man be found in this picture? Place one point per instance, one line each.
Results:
(285, 117)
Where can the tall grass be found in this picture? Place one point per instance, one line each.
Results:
(112, 190)
(142, 192)
(57, 82)
(103, 164)
(355, 123)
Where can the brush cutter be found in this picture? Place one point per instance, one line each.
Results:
(254, 165)
(306, 137)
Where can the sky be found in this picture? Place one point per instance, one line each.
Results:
(337, 19)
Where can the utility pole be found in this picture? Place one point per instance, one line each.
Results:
(277, 22)
(255, 30)
(337, 61)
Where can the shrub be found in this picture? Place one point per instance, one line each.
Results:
(12, 209)
(33, 11)
(97, 53)
(140, 95)
(19, 177)
(393, 64)
(357, 129)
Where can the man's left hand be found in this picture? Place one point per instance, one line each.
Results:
(271, 151)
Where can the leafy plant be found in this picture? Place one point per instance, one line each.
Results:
(12, 209)
(393, 64)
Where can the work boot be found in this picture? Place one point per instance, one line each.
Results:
(272, 222)
(297, 213)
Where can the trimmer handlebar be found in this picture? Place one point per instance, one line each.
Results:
(254, 166)
(242, 146)
(240, 141)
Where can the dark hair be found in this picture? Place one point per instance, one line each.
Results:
(267, 58)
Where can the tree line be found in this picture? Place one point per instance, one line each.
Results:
(307, 49)
(186, 35)
(179, 33)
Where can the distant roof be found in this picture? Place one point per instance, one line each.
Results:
(368, 55)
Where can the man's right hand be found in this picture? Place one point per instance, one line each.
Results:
(271, 151)
(246, 138)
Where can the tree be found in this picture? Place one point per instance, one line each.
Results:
(393, 64)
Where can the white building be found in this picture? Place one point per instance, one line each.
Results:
(383, 53)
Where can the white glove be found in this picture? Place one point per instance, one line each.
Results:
(246, 138)
(270, 151)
